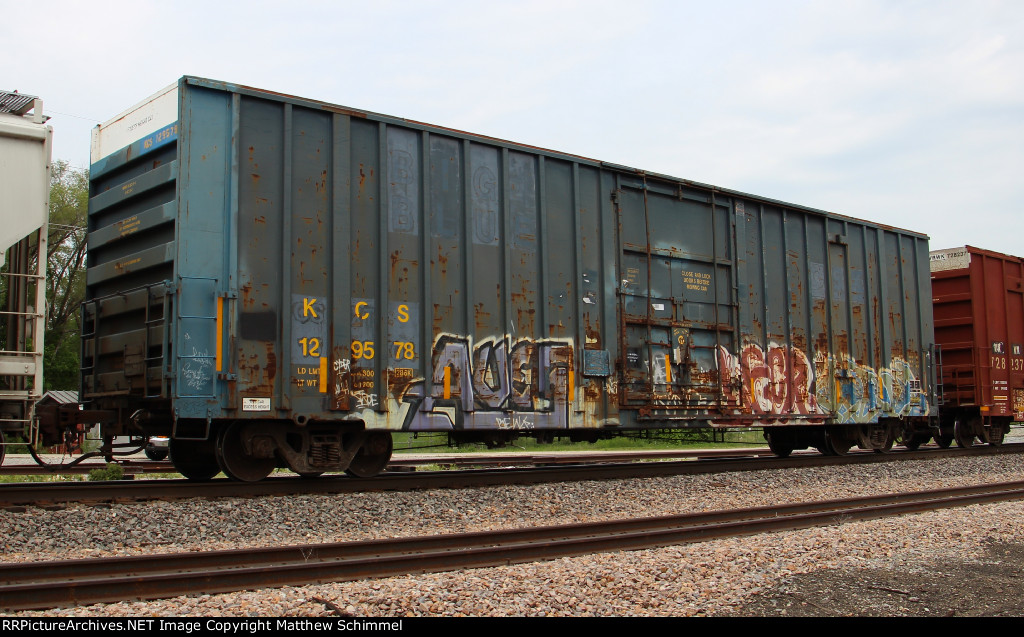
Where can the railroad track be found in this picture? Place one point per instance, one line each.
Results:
(40, 585)
(400, 462)
(58, 493)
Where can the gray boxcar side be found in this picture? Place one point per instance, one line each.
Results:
(262, 257)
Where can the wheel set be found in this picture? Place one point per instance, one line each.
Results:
(249, 455)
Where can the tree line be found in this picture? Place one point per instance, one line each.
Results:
(65, 275)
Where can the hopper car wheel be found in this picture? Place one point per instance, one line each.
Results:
(962, 434)
(781, 444)
(944, 440)
(995, 435)
(234, 461)
(194, 459)
(373, 455)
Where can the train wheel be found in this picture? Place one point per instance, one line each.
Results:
(963, 434)
(877, 437)
(3, 447)
(194, 459)
(235, 462)
(156, 455)
(995, 435)
(944, 440)
(780, 443)
(838, 443)
(889, 442)
(373, 455)
(914, 441)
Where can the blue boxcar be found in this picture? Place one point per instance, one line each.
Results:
(276, 281)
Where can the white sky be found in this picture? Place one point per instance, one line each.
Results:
(905, 113)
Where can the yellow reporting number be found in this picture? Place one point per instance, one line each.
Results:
(362, 349)
(404, 349)
(310, 346)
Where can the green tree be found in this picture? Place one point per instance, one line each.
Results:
(65, 274)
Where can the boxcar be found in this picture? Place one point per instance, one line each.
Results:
(276, 281)
(979, 324)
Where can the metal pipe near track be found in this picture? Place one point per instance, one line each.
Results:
(37, 585)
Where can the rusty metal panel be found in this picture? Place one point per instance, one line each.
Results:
(979, 323)
(813, 292)
(322, 263)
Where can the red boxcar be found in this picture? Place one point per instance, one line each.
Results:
(978, 299)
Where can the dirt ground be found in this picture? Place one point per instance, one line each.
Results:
(993, 587)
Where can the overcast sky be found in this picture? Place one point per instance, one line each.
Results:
(904, 113)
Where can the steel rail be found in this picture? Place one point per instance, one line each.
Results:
(408, 460)
(37, 585)
(402, 462)
(552, 457)
(37, 493)
(399, 463)
(129, 468)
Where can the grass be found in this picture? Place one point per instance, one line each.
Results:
(70, 477)
(652, 440)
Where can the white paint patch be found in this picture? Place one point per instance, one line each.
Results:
(146, 117)
(255, 404)
(952, 259)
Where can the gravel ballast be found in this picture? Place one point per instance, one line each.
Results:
(708, 578)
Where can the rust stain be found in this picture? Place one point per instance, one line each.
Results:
(438, 319)
(482, 318)
(592, 332)
(271, 364)
(821, 342)
(799, 341)
(247, 301)
(525, 320)
(842, 343)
